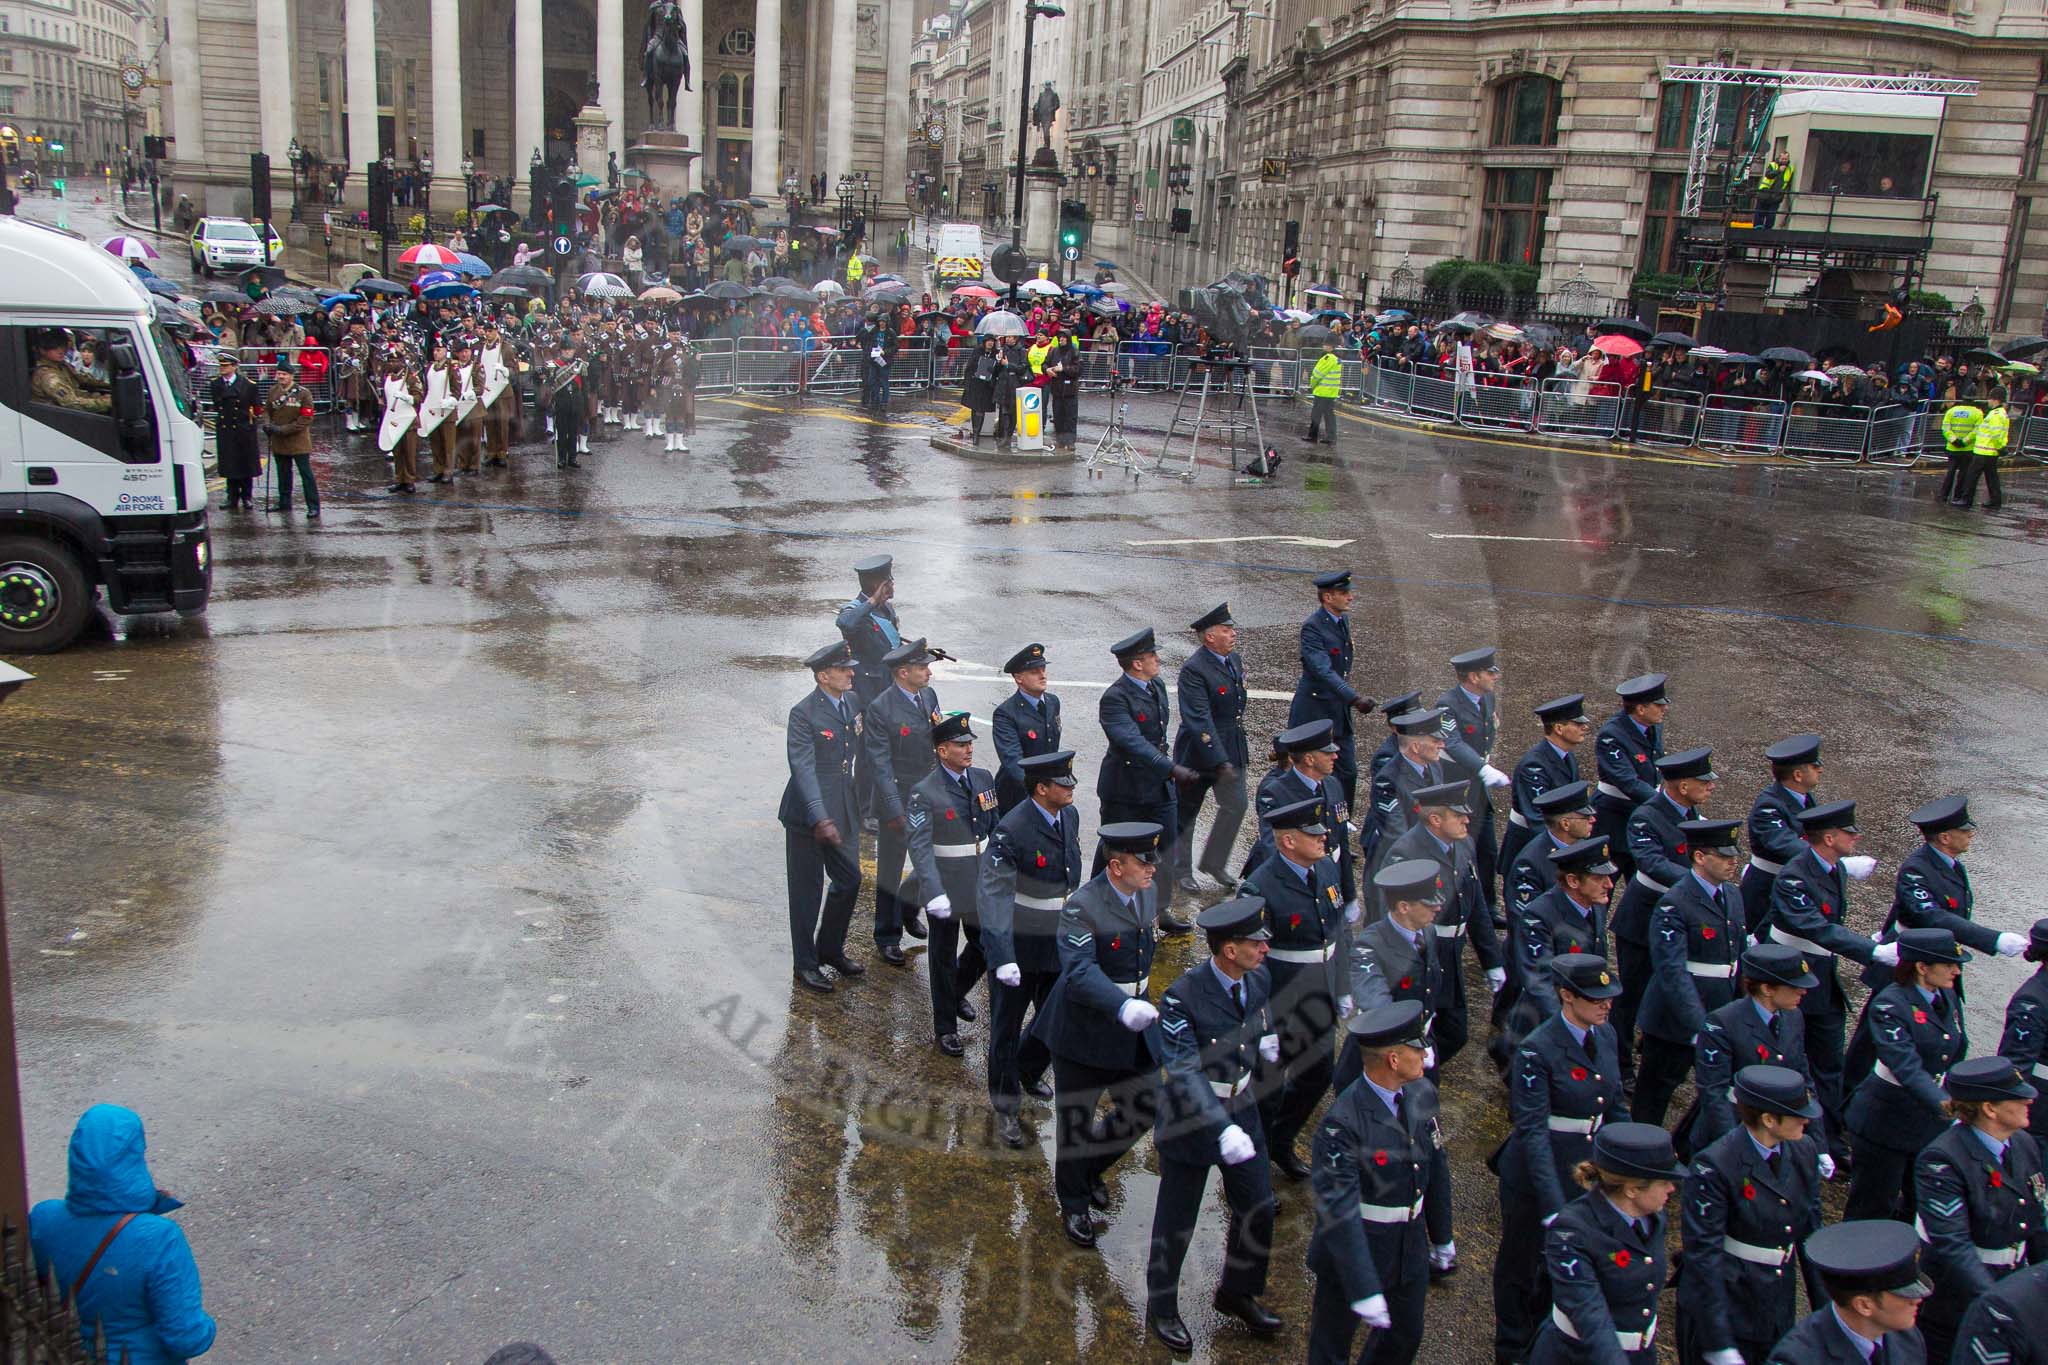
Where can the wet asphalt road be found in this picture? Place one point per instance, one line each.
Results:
(426, 895)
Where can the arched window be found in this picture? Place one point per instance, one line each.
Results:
(738, 42)
(747, 101)
(728, 101)
(1525, 112)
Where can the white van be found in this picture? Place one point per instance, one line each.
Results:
(105, 488)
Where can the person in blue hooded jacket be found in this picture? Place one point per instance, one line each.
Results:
(144, 1286)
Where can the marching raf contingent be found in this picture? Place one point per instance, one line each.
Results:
(1629, 942)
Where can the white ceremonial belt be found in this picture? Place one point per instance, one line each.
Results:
(1765, 865)
(960, 851)
(1519, 820)
(1130, 988)
(1723, 971)
(1609, 789)
(1307, 955)
(1391, 1213)
(2041, 1070)
(2001, 1256)
(1629, 1341)
(1042, 902)
(1890, 1077)
(1643, 879)
(1779, 935)
(1450, 930)
(1230, 1090)
(1560, 1124)
(1756, 1255)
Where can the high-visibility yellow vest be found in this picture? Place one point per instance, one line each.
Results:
(1776, 178)
(1326, 380)
(853, 269)
(1991, 433)
(1959, 426)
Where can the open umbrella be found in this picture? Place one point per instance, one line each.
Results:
(1041, 288)
(434, 277)
(587, 182)
(1853, 371)
(1467, 322)
(130, 248)
(473, 266)
(220, 293)
(777, 281)
(1330, 314)
(1081, 289)
(1672, 339)
(1984, 355)
(346, 296)
(887, 279)
(371, 284)
(1108, 307)
(1739, 358)
(448, 289)
(730, 203)
(1536, 333)
(612, 288)
(1112, 287)
(1323, 292)
(1297, 315)
(824, 231)
(1504, 331)
(888, 293)
(829, 288)
(1106, 265)
(2021, 347)
(353, 271)
(1616, 344)
(975, 291)
(481, 209)
(1396, 315)
(1817, 376)
(599, 277)
(510, 291)
(1708, 353)
(727, 290)
(1788, 355)
(2019, 367)
(1315, 334)
(282, 306)
(157, 284)
(428, 256)
(1627, 327)
(660, 293)
(795, 293)
(523, 277)
(1000, 324)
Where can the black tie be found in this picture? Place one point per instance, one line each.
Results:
(1941, 1006)
(1771, 1159)
(1878, 1355)
(1642, 1229)
(1721, 900)
(1400, 1111)
(1587, 1043)
(1771, 1027)
(1237, 997)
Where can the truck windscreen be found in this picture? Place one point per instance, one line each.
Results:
(173, 356)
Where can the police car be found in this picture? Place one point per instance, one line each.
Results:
(230, 244)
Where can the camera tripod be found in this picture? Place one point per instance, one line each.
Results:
(1114, 449)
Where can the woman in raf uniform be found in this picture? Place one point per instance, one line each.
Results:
(1605, 1252)
(1915, 1026)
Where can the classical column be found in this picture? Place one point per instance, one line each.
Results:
(690, 104)
(276, 117)
(360, 30)
(611, 72)
(839, 98)
(188, 122)
(447, 194)
(767, 178)
(528, 93)
(895, 112)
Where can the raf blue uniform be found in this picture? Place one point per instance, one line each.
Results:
(1210, 738)
(1386, 966)
(1541, 769)
(1742, 1217)
(1309, 975)
(1465, 914)
(951, 819)
(1696, 942)
(1393, 805)
(1626, 760)
(1031, 865)
(1382, 1185)
(1932, 891)
(1739, 1034)
(1561, 1088)
(1655, 844)
(897, 736)
(1896, 1110)
(1773, 840)
(1976, 1232)
(1324, 692)
(2008, 1324)
(1022, 728)
(1809, 903)
(2024, 1040)
(1471, 725)
(1552, 925)
(1135, 782)
(1820, 1339)
(1605, 1276)
(822, 737)
(1283, 787)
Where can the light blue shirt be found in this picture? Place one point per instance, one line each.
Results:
(1052, 817)
(1578, 1034)
(1387, 1097)
(1224, 980)
(1992, 1144)
(1478, 702)
(1705, 885)
(1865, 1347)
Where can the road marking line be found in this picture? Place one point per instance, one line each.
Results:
(1311, 542)
(1562, 540)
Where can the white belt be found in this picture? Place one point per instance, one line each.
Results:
(1307, 955)
(1230, 1090)
(2002, 1257)
(1130, 988)
(2041, 1070)
(1564, 1125)
(1642, 879)
(1889, 1077)
(958, 851)
(1756, 1255)
(1450, 930)
(1042, 902)
(1519, 820)
(1722, 971)
(1630, 1341)
(1609, 789)
(1797, 942)
(1391, 1213)
(1765, 865)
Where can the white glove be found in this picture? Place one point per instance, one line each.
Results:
(1236, 1145)
(1443, 1257)
(1827, 1167)
(1269, 1048)
(1374, 1311)
(939, 907)
(1497, 979)
(1344, 1007)
(1428, 1058)
(1137, 1015)
(1724, 1358)
(1859, 865)
(1551, 1219)
(1494, 777)
(1887, 953)
(1009, 975)
(1754, 940)
(2011, 945)
(1353, 912)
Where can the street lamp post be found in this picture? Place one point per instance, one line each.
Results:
(469, 188)
(1032, 9)
(296, 155)
(536, 208)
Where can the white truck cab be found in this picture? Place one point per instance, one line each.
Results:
(102, 484)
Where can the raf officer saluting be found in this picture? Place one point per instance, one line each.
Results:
(1324, 692)
(1032, 863)
(1137, 777)
(951, 814)
(1933, 888)
(1628, 747)
(1310, 990)
(1442, 834)
(897, 741)
(1027, 723)
(1215, 1024)
(1382, 1192)
(1393, 959)
(1471, 724)
(1419, 764)
(1870, 1273)
(1660, 861)
(1548, 763)
(1211, 741)
(821, 819)
(1697, 932)
(1774, 817)
(1760, 1029)
(1101, 1030)
(870, 626)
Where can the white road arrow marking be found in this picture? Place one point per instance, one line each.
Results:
(1311, 542)
(1559, 540)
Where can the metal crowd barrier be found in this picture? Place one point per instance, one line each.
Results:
(1665, 417)
(1495, 405)
(1825, 433)
(1741, 426)
(1564, 409)
(1898, 436)
(1277, 370)
(2032, 440)
(1432, 399)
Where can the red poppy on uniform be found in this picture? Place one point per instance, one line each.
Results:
(904, 731)
(1622, 1257)
(1407, 983)
(1031, 734)
(1578, 1073)
(1748, 1190)
(1763, 1053)
(1116, 942)
(1681, 849)
(1222, 691)
(1826, 909)
(1642, 758)
(1041, 860)
(1141, 715)
(1708, 931)
(1294, 921)
(1334, 649)
(950, 815)
(1379, 1158)
(1997, 1179)
(1468, 729)
(827, 734)
(1952, 904)
(1919, 1016)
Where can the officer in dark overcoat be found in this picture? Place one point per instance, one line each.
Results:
(237, 411)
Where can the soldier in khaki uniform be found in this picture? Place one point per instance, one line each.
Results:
(287, 420)
(54, 381)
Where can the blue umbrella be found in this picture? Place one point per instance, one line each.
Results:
(448, 289)
(1325, 314)
(1392, 314)
(331, 299)
(1105, 265)
(157, 284)
(433, 277)
(1081, 289)
(466, 264)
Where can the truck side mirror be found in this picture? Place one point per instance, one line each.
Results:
(132, 413)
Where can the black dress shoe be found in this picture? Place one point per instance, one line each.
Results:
(949, 1043)
(1098, 1196)
(1290, 1164)
(892, 955)
(966, 1011)
(1442, 1272)
(440, 478)
(312, 514)
(1174, 1333)
(810, 978)
(846, 966)
(1009, 1130)
(914, 927)
(1170, 924)
(1041, 1088)
(1080, 1228)
(1249, 1311)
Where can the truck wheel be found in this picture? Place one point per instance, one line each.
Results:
(44, 596)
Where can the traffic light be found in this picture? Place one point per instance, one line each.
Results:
(259, 186)
(1290, 249)
(564, 208)
(378, 191)
(153, 148)
(1074, 225)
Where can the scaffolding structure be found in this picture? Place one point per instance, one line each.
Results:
(1225, 419)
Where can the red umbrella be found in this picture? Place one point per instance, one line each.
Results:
(1618, 345)
(974, 291)
(427, 254)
